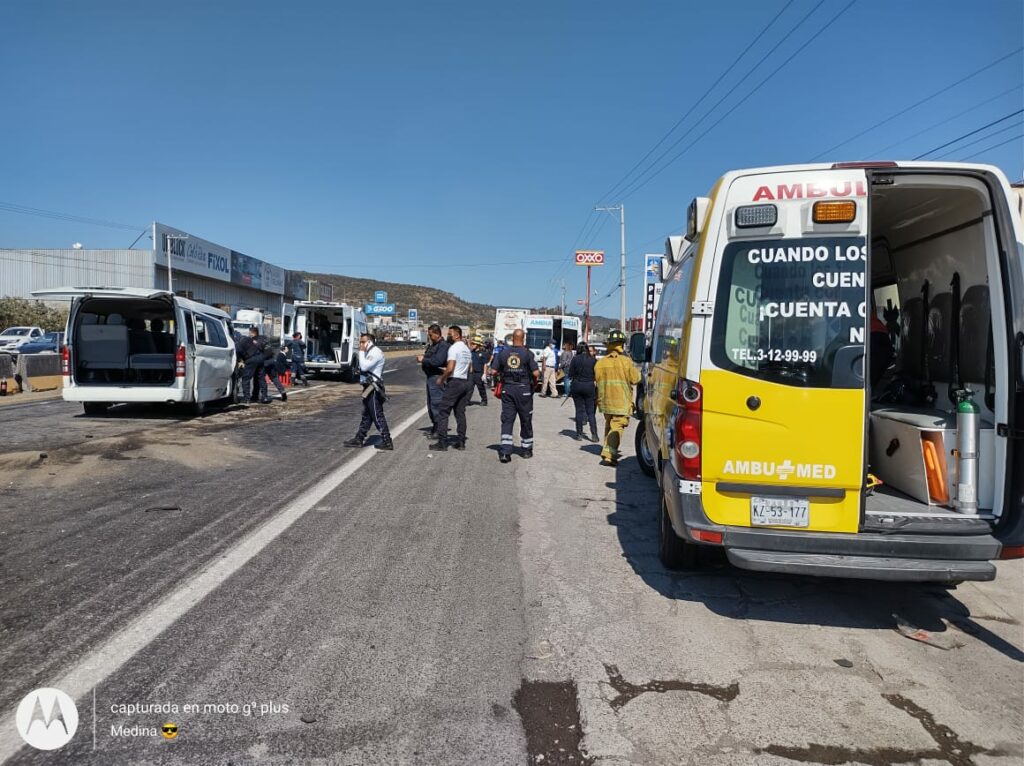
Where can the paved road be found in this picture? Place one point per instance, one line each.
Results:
(411, 607)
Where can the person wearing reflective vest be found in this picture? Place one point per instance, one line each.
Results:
(615, 375)
(518, 372)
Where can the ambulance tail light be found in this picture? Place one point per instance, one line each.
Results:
(65, 361)
(179, 362)
(834, 212)
(864, 165)
(756, 216)
(687, 450)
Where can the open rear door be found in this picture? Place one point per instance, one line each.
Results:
(783, 372)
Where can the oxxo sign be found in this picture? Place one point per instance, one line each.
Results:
(590, 257)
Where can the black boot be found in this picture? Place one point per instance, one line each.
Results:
(503, 458)
(527, 453)
(593, 435)
(579, 433)
(441, 445)
(460, 444)
(386, 444)
(284, 396)
(355, 441)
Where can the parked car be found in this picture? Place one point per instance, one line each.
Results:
(598, 350)
(51, 342)
(13, 337)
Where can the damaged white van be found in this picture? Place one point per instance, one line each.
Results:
(130, 344)
(837, 376)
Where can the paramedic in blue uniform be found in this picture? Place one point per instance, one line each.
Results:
(480, 357)
(297, 346)
(517, 370)
(371, 369)
(433, 361)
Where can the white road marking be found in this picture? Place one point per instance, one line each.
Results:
(102, 662)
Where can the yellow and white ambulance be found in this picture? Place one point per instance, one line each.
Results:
(836, 382)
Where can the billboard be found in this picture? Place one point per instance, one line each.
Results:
(295, 286)
(325, 292)
(380, 309)
(590, 257)
(191, 254)
(246, 271)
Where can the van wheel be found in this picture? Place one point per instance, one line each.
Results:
(676, 553)
(643, 452)
(94, 409)
(198, 409)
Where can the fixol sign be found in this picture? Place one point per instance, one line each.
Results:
(380, 309)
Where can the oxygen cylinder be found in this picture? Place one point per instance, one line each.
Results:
(967, 434)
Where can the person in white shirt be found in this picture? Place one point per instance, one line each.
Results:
(455, 381)
(549, 371)
(371, 375)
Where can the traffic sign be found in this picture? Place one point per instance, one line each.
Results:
(380, 296)
(380, 309)
(414, 314)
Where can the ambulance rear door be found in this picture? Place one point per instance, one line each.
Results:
(783, 421)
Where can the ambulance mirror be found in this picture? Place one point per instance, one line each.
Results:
(638, 347)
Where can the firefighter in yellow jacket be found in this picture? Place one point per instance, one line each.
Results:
(615, 375)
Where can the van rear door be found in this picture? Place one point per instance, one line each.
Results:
(782, 368)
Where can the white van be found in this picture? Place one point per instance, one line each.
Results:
(836, 381)
(331, 333)
(132, 344)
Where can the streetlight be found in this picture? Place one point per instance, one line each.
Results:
(170, 278)
(621, 209)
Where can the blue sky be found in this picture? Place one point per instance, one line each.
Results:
(462, 145)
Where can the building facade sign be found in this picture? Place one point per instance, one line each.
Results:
(190, 253)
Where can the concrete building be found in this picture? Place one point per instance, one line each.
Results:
(200, 270)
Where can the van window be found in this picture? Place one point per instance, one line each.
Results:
(210, 332)
(668, 328)
(792, 311)
(190, 333)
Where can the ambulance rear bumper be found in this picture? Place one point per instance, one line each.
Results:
(861, 567)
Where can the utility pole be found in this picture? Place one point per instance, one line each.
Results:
(561, 334)
(621, 210)
(309, 288)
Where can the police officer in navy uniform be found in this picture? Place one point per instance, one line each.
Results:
(518, 372)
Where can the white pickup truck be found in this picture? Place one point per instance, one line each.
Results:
(13, 337)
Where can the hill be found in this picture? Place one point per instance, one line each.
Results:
(433, 305)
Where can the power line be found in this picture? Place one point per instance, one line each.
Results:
(958, 139)
(990, 148)
(972, 108)
(993, 134)
(628, 190)
(706, 93)
(743, 100)
(10, 207)
(924, 100)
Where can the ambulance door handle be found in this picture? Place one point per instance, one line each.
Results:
(753, 402)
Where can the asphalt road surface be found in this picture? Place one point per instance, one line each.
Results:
(283, 599)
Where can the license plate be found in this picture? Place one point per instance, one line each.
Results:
(780, 511)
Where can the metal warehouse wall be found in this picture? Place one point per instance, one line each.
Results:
(22, 271)
(216, 292)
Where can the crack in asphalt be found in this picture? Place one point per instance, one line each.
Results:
(627, 691)
(949, 747)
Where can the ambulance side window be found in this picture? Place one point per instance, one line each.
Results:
(668, 329)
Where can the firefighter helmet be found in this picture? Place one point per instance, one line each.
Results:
(616, 338)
